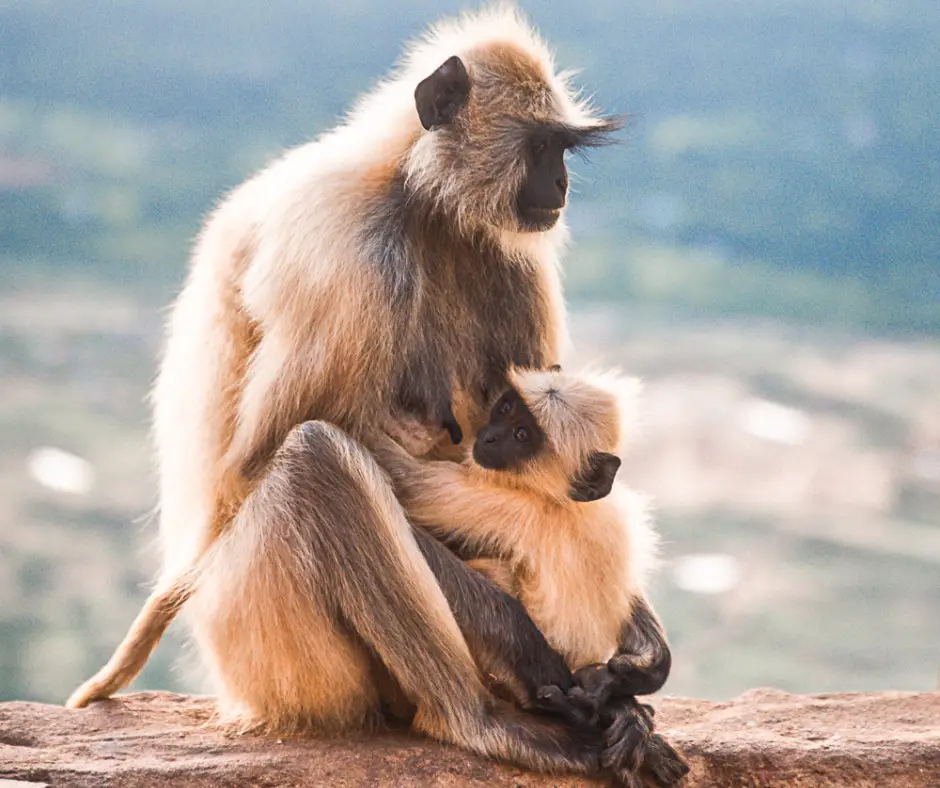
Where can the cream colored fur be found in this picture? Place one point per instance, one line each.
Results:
(284, 318)
(577, 567)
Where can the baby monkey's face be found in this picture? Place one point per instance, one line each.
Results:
(511, 437)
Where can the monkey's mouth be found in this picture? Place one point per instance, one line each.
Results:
(539, 219)
(485, 460)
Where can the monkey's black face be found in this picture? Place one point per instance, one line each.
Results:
(539, 144)
(545, 189)
(511, 436)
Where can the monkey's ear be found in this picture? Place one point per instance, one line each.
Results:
(595, 481)
(441, 95)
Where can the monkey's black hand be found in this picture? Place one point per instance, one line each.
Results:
(636, 754)
(511, 649)
(593, 698)
(548, 672)
(597, 688)
(553, 700)
(453, 428)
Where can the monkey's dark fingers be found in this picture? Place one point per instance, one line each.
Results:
(581, 699)
(663, 764)
(453, 429)
(552, 699)
(628, 779)
(625, 721)
(626, 753)
(643, 710)
(625, 740)
(597, 688)
(591, 677)
(586, 705)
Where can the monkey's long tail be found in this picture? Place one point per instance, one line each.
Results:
(141, 639)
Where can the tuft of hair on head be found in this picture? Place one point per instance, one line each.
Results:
(580, 414)
(494, 80)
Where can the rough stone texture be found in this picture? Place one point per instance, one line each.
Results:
(763, 738)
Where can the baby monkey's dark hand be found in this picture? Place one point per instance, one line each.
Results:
(554, 700)
(599, 690)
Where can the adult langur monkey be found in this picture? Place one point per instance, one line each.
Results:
(382, 271)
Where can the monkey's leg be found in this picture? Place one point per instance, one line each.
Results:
(498, 572)
(505, 642)
(319, 572)
(643, 659)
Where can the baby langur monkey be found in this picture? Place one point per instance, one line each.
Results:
(537, 507)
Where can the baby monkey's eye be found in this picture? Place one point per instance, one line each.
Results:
(521, 435)
(504, 408)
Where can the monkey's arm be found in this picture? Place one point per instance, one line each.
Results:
(265, 411)
(643, 659)
(445, 498)
(279, 393)
(505, 642)
(640, 666)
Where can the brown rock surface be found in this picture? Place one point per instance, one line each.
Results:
(763, 738)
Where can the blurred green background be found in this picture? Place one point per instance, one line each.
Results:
(762, 249)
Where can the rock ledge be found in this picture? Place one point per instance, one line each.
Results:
(762, 738)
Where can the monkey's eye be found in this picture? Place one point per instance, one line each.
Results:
(521, 435)
(539, 146)
(504, 408)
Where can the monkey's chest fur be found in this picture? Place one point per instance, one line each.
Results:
(464, 309)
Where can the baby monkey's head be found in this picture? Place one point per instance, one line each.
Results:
(556, 434)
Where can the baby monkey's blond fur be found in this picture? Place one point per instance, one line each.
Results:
(579, 568)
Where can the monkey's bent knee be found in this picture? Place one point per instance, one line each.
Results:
(316, 435)
(321, 474)
(316, 443)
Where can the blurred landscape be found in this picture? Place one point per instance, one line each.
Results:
(762, 250)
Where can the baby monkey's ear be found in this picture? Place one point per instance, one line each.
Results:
(595, 481)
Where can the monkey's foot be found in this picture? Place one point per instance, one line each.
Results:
(664, 764)
(626, 738)
(638, 756)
